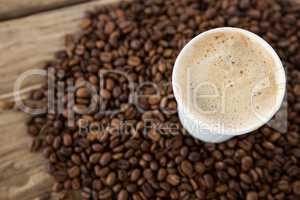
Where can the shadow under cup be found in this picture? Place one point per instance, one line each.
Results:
(190, 118)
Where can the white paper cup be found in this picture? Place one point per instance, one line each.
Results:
(192, 123)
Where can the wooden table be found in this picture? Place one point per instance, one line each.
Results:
(30, 32)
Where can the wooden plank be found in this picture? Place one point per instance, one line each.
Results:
(23, 174)
(27, 43)
(18, 8)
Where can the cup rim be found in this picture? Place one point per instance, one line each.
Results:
(280, 76)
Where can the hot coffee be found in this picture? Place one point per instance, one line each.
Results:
(228, 80)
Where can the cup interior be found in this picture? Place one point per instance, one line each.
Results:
(279, 76)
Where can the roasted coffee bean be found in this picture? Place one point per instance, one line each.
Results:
(116, 188)
(209, 181)
(101, 172)
(148, 190)
(56, 142)
(184, 151)
(200, 194)
(105, 158)
(134, 61)
(106, 57)
(153, 135)
(135, 44)
(147, 157)
(86, 193)
(244, 4)
(129, 154)
(135, 174)
(296, 187)
(154, 166)
(162, 174)
(148, 174)
(76, 159)
(252, 196)
(67, 139)
(221, 189)
(200, 167)
(131, 188)
(283, 185)
(74, 171)
(34, 131)
(105, 194)
(111, 179)
(109, 84)
(245, 178)
(136, 197)
(122, 175)
(94, 158)
(97, 184)
(105, 94)
(123, 164)
(82, 93)
(247, 163)
(97, 147)
(194, 156)
(173, 179)
(220, 165)
(123, 195)
(187, 168)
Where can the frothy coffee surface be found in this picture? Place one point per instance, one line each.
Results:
(228, 80)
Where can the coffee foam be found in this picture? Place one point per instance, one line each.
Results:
(228, 80)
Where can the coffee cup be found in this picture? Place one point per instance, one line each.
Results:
(227, 82)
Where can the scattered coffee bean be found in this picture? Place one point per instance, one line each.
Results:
(187, 168)
(252, 196)
(82, 93)
(94, 158)
(134, 61)
(247, 163)
(67, 139)
(141, 40)
(135, 174)
(162, 174)
(111, 179)
(173, 179)
(123, 195)
(105, 158)
(296, 187)
(105, 194)
(74, 172)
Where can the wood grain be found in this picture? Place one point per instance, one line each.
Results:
(17, 8)
(22, 174)
(27, 43)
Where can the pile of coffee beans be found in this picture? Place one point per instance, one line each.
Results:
(126, 142)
